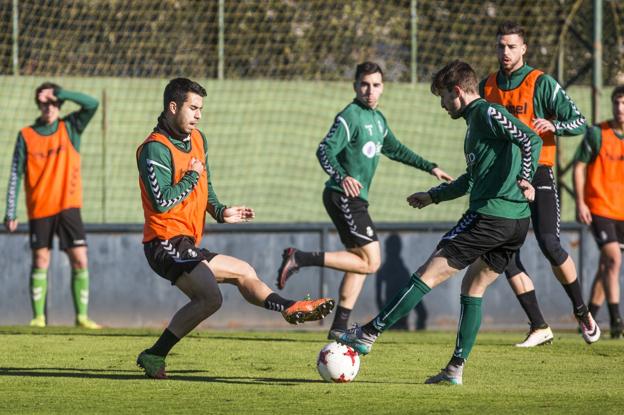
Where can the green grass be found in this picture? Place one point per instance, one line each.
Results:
(263, 137)
(66, 370)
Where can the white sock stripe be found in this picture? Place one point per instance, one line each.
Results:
(398, 302)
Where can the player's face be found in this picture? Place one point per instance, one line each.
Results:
(368, 89)
(618, 109)
(510, 51)
(451, 103)
(49, 111)
(188, 115)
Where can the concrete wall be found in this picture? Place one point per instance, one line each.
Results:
(126, 293)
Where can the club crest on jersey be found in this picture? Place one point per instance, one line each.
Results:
(369, 232)
(191, 253)
(371, 149)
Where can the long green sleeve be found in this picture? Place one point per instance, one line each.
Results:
(18, 164)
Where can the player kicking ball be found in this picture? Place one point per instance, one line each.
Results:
(501, 155)
(176, 192)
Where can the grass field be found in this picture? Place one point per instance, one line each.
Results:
(66, 370)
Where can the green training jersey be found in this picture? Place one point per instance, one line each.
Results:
(589, 147)
(550, 100)
(499, 150)
(165, 194)
(353, 145)
(76, 122)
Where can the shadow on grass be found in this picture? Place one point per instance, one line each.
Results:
(175, 375)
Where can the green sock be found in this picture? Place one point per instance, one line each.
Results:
(80, 291)
(402, 304)
(38, 290)
(469, 323)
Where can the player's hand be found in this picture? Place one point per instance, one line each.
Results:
(419, 200)
(542, 125)
(583, 214)
(47, 95)
(196, 165)
(238, 214)
(351, 186)
(527, 189)
(441, 174)
(10, 224)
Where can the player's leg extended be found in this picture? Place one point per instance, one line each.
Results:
(609, 269)
(435, 271)
(234, 271)
(539, 331)
(478, 277)
(80, 286)
(352, 284)
(356, 230)
(39, 285)
(201, 287)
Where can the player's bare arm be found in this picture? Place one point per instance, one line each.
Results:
(583, 213)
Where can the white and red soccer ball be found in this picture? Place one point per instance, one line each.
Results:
(338, 363)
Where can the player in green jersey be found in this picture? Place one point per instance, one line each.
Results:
(501, 156)
(349, 154)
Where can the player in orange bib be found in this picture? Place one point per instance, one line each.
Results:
(176, 192)
(599, 184)
(542, 104)
(48, 153)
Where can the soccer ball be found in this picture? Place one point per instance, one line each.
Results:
(338, 363)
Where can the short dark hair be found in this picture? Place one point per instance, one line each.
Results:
(617, 92)
(177, 89)
(455, 73)
(47, 85)
(510, 28)
(367, 68)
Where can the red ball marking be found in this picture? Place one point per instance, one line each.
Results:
(341, 379)
(352, 354)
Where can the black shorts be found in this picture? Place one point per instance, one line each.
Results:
(67, 225)
(546, 219)
(607, 230)
(350, 216)
(490, 238)
(171, 258)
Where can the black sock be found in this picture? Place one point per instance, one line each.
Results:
(309, 259)
(574, 292)
(457, 361)
(593, 309)
(276, 303)
(369, 328)
(529, 304)
(341, 319)
(164, 344)
(614, 312)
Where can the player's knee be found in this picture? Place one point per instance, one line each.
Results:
(210, 302)
(552, 249)
(41, 261)
(373, 265)
(246, 272)
(608, 263)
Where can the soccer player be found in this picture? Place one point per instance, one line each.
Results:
(48, 152)
(598, 175)
(539, 101)
(349, 155)
(176, 192)
(501, 156)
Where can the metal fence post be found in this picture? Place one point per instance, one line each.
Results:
(15, 50)
(221, 64)
(414, 51)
